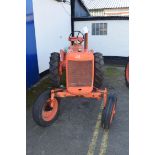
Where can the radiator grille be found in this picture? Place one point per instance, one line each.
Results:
(79, 73)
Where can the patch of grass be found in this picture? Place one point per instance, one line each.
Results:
(112, 72)
(35, 91)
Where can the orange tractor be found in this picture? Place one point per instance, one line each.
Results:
(84, 77)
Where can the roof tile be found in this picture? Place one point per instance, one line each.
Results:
(99, 4)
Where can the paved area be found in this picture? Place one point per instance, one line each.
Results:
(72, 133)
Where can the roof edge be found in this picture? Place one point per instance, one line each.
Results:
(101, 18)
(82, 3)
(108, 8)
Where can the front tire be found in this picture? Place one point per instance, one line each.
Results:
(109, 112)
(43, 113)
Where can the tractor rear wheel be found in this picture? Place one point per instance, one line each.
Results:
(44, 110)
(98, 70)
(54, 69)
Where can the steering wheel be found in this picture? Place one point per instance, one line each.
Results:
(79, 36)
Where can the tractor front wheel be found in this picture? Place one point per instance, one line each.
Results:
(109, 112)
(98, 70)
(44, 110)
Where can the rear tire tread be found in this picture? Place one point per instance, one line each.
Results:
(54, 69)
(98, 70)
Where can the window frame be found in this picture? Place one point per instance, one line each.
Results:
(99, 29)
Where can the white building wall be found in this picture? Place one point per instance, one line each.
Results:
(115, 43)
(52, 26)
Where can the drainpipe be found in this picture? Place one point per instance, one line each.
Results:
(72, 15)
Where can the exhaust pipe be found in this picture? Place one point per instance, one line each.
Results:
(86, 41)
(85, 29)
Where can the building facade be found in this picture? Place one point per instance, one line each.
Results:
(109, 36)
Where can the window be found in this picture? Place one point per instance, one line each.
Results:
(99, 28)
